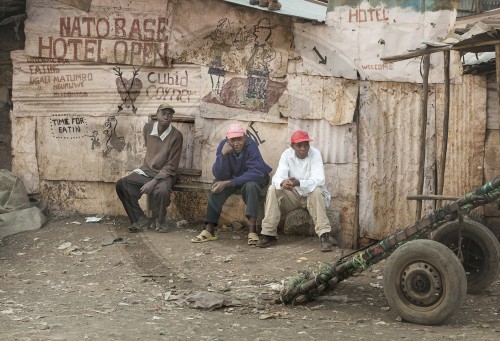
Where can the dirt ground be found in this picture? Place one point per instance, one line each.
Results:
(73, 280)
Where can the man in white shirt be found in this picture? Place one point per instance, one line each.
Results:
(299, 181)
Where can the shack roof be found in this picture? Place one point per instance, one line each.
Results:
(307, 9)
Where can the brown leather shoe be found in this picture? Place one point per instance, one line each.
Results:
(266, 241)
(325, 244)
(263, 3)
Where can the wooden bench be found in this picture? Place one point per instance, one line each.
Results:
(195, 187)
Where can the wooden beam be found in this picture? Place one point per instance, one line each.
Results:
(414, 54)
(419, 53)
(446, 119)
(473, 44)
(431, 197)
(423, 132)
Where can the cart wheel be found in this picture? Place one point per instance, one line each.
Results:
(478, 250)
(424, 282)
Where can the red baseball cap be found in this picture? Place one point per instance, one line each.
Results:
(300, 136)
(235, 130)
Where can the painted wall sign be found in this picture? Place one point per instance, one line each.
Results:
(48, 86)
(231, 39)
(360, 32)
(130, 34)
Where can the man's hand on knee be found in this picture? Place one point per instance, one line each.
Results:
(148, 187)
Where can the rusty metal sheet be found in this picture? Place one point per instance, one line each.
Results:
(271, 138)
(337, 144)
(296, 8)
(231, 38)
(82, 148)
(389, 144)
(492, 166)
(492, 107)
(84, 5)
(24, 157)
(466, 137)
(359, 33)
(44, 86)
(132, 32)
(226, 95)
(341, 181)
(313, 97)
(84, 197)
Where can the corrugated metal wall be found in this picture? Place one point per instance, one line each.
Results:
(466, 138)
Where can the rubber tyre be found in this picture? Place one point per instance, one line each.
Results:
(424, 282)
(480, 251)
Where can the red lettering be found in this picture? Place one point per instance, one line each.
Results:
(88, 20)
(119, 28)
(42, 47)
(355, 15)
(89, 50)
(161, 32)
(74, 43)
(63, 45)
(122, 53)
(106, 25)
(76, 27)
(64, 27)
(135, 50)
(135, 30)
(149, 33)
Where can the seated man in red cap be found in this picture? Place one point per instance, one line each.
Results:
(238, 165)
(299, 181)
(158, 173)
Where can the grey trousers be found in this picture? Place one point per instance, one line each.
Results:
(128, 189)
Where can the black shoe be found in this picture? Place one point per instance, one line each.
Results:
(266, 241)
(325, 244)
(140, 225)
(163, 227)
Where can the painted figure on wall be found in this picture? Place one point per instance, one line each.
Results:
(258, 64)
(220, 46)
(129, 89)
(95, 140)
(113, 140)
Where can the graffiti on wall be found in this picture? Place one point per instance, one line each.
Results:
(254, 134)
(113, 141)
(255, 92)
(128, 89)
(68, 126)
(112, 40)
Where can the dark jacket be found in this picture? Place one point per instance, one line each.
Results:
(248, 166)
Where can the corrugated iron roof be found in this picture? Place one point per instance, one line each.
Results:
(480, 38)
(295, 8)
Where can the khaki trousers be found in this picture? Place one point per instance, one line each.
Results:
(281, 200)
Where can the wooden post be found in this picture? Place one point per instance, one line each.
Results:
(423, 132)
(497, 53)
(446, 119)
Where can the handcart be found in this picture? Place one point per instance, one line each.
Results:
(430, 266)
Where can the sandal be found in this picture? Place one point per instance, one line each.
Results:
(204, 236)
(253, 238)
